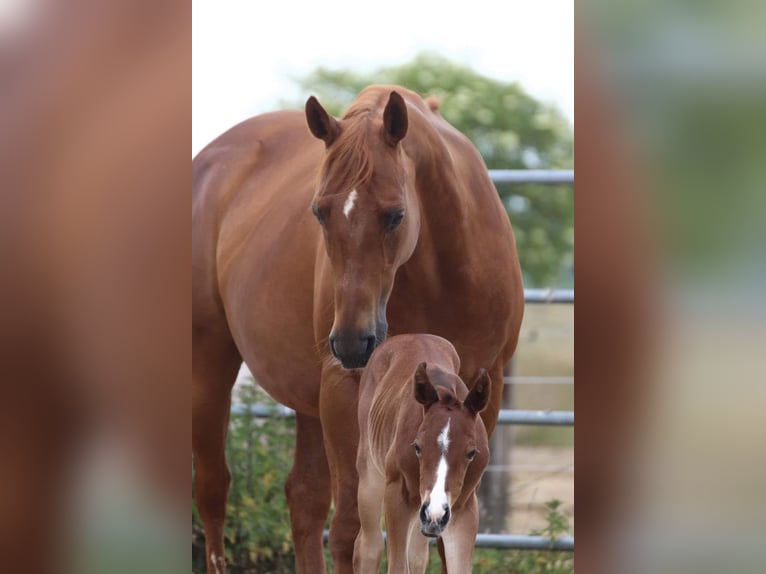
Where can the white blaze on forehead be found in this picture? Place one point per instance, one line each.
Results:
(349, 205)
(443, 439)
(438, 498)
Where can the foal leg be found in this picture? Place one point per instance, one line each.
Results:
(398, 518)
(460, 537)
(308, 495)
(368, 549)
(338, 410)
(215, 368)
(417, 549)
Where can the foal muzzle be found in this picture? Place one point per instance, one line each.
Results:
(433, 526)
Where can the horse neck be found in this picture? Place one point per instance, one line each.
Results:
(444, 210)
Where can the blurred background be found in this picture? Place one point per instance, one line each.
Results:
(670, 205)
(504, 77)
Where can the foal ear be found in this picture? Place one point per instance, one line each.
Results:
(395, 119)
(477, 399)
(322, 125)
(425, 393)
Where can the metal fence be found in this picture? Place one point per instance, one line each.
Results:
(506, 416)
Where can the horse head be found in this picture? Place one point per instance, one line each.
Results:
(366, 205)
(451, 444)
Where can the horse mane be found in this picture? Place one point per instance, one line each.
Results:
(348, 162)
(445, 388)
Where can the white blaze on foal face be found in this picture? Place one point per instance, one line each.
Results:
(438, 498)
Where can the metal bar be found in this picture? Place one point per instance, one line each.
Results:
(542, 418)
(549, 295)
(546, 176)
(521, 542)
(507, 417)
(511, 542)
(263, 411)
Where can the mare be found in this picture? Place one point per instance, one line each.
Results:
(422, 452)
(312, 239)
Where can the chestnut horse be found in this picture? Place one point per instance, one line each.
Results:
(308, 247)
(422, 452)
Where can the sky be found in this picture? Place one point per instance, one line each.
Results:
(245, 52)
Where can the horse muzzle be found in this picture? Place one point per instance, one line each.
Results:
(352, 348)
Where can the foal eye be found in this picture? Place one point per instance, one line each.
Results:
(392, 219)
(416, 446)
(470, 454)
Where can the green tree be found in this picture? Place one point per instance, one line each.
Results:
(510, 128)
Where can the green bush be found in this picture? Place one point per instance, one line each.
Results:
(257, 531)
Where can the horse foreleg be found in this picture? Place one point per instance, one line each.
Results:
(442, 556)
(338, 411)
(308, 495)
(213, 377)
(460, 537)
(490, 414)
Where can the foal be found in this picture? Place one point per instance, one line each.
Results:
(422, 452)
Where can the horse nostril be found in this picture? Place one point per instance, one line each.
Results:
(370, 345)
(423, 516)
(332, 347)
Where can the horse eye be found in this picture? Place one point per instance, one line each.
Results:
(417, 448)
(317, 214)
(470, 454)
(392, 219)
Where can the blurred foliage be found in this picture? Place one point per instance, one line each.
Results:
(531, 561)
(511, 130)
(260, 455)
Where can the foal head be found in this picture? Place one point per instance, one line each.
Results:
(366, 205)
(451, 444)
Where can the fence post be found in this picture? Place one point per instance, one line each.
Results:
(494, 494)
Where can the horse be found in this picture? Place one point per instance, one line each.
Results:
(422, 452)
(313, 238)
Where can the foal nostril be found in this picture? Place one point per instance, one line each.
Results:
(423, 515)
(445, 519)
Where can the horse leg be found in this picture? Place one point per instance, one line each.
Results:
(490, 414)
(368, 549)
(214, 370)
(442, 557)
(460, 537)
(338, 397)
(417, 549)
(308, 495)
(398, 518)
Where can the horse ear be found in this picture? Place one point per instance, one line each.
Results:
(395, 119)
(425, 393)
(322, 125)
(477, 399)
